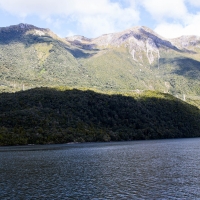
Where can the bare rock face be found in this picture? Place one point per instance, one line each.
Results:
(140, 41)
(25, 26)
(151, 48)
(21, 28)
(25, 29)
(78, 38)
(81, 41)
(186, 41)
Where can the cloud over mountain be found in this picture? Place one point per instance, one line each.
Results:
(93, 17)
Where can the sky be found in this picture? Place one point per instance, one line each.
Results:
(92, 18)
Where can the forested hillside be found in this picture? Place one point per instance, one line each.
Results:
(50, 115)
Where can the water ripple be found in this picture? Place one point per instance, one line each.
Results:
(161, 169)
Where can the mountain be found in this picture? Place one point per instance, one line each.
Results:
(121, 67)
(136, 59)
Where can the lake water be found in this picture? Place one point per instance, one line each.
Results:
(158, 169)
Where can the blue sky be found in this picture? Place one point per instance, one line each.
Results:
(91, 18)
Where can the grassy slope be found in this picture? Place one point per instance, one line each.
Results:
(57, 116)
(33, 61)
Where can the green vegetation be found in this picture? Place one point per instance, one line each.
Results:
(50, 115)
(118, 108)
(29, 60)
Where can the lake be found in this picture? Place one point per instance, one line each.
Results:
(156, 169)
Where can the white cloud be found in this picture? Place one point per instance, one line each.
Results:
(114, 20)
(194, 2)
(93, 16)
(173, 18)
(70, 33)
(160, 9)
(170, 30)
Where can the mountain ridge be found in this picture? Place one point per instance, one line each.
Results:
(134, 59)
(23, 27)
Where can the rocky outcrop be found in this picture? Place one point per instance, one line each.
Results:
(21, 28)
(186, 41)
(139, 41)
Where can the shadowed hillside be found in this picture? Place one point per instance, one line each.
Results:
(45, 115)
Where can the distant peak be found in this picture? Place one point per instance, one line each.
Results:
(22, 27)
(78, 38)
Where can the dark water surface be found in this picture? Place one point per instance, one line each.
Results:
(159, 169)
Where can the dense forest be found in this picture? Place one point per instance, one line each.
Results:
(60, 115)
